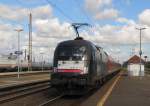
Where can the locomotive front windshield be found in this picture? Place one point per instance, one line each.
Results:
(72, 53)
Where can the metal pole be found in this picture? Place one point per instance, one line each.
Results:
(140, 52)
(30, 44)
(18, 55)
(25, 55)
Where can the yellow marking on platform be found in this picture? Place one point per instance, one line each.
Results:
(104, 98)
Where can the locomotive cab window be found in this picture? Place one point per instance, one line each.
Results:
(72, 53)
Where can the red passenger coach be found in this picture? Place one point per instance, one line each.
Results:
(112, 65)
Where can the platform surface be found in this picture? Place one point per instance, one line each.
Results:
(130, 91)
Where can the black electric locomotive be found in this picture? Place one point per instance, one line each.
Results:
(78, 64)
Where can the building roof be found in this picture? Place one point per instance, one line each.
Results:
(135, 59)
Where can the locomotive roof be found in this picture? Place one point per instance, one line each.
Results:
(75, 42)
(81, 42)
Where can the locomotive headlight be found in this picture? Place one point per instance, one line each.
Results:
(84, 58)
(85, 70)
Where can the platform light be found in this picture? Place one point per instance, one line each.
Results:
(140, 52)
(18, 52)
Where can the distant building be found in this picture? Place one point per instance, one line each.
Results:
(133, 66)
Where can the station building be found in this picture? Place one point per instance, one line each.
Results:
(133, 66)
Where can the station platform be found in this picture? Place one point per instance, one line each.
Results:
(10, 79)
(130, 91)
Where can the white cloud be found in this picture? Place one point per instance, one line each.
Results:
(107, 14)
(101, 9)
(117, 35)
(125, 20)
(53, 28)
(144, 17)
(95, 5)
(43, 12)
(18, 13)
(11, 13)
(8, 38)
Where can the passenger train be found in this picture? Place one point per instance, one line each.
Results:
(80, 65)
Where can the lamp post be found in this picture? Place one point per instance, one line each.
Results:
(18, 52)
(140, 52)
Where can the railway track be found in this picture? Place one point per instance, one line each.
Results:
(66, 100)
(51, 100)
(78, 100)
(43, 96)
(14, 74)
(11, 93)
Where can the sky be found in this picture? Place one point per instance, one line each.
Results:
(113, 25)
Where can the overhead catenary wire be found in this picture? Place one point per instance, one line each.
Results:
(70, 19)
(79, 9)
(56, 7)
(83, 11)
(60, 10)
(92, 23)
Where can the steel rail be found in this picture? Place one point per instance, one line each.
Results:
(51, 100)
(14, 92)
